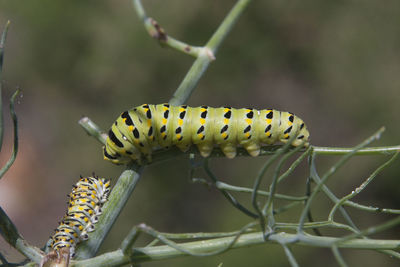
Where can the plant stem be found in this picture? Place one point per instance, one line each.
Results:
(119, 196)
(11, 235)
(116, 258)
(2, 44)
(200, 65)
(384, 150)
(15, 145)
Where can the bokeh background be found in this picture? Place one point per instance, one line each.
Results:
(336, 64)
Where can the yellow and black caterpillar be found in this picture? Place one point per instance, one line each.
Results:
(138, 131)
(85, 201)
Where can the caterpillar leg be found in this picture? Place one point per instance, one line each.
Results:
(229, 150)
(252, 148)
(205, 149)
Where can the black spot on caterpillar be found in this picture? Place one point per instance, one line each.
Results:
(146, 127)
(84, 206)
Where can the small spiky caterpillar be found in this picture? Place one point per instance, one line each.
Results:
(85, 201)
(138, 131)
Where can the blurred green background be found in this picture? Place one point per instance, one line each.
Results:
(335, 64)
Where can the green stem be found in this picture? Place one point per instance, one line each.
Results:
(370, 209)
(384, 150)
(2, 44)
(93, 129)
(371, 230)
(290, 256)
(15, 127)
(11, 235)
(117, 258)
(361, 187)
(158, 33)
(276, 178)
(119, 196)
(226, 194)
(330, 172)
(200, 65)
(338, 257)
(228, 187)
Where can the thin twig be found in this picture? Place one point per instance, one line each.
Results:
(93, 129)
(331, 171)
(15, 127)
(290, 256)
(338, 257)
(158, 33)
(260, 176)
(383, 150)
(226, 194)
(361, 187)
(228, 187)
(277, 178)
(2, 45)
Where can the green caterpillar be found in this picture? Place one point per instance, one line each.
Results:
(138, 131)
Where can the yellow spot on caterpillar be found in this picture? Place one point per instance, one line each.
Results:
(180, 122)
(202, 121)
(163, 134)
(286, 136)
(178, 136)
(200, 135)
(226, 110)
(289, 123)
(203, 109)
(268, 134)
(226, 121)
(268, 121)
(149, 122)
(165, 108)
(224, 135)
(181, 109)
(247, 134)
(164, 121)
(249, 121)
(131, 128)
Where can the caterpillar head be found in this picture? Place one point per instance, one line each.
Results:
(121, 158)
(303, 135)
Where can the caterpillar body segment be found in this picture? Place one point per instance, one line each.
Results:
(137, 132)
(84, 207)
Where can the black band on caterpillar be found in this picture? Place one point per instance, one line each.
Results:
(138, 131)
(85, 201)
